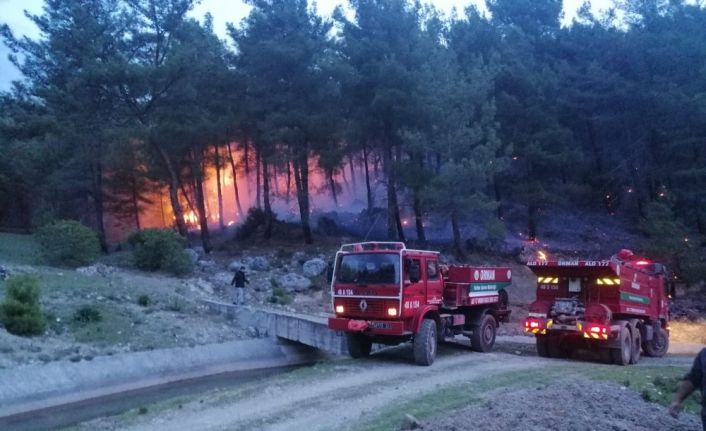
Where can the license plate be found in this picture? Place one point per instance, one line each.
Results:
(380, 325)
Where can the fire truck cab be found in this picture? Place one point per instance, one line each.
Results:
(383, 292)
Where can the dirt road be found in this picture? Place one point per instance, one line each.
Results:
(350, 395)
(329, 396)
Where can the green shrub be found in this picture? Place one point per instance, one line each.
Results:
(178, 262)
(68, 243)
(280, 296)
(20, 313)
(255, 219)
(88, 314)
(143, 300)
(160, 249)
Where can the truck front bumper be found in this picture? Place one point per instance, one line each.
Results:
(372, 327)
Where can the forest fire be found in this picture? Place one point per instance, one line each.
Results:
(343, 191)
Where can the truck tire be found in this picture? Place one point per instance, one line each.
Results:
(542, 346)
(658, 345)
(441, 332)
(636, 345)
(359, 345)
(483, 337)
(622, 355)
(425, 343)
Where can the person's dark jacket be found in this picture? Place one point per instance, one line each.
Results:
(239, 279)
(697, 377)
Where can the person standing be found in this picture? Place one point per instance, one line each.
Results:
(239, 281)
(695, 378)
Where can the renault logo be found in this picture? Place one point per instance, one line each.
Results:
(363, 305)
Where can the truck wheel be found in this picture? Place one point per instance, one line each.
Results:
(542, 346)
(425, 343)
(658, 345)
(636, 346)
(483, 336)
(359, 345)
(622, 355)
(441, 332)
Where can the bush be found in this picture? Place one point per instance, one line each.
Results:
(255, 219)
(68, 243)
(143, 300)
(280, 296)
(20, 313)
(327, 226)
(160, 249)
(88, 314)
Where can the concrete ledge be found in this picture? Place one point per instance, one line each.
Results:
(32, 387)
(306, 329)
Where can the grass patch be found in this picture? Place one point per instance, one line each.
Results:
(279, 295)
(111, 329)
(654, 384)
(18, 249)
(448, 398)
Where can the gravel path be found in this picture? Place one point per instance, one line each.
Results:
(334, 400)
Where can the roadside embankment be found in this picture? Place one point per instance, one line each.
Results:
(33, 387)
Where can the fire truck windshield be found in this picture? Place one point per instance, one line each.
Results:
(373, 268)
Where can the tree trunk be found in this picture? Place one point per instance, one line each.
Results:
(532, 222)
(344, 178)
(418, 220)
(173, 190)
(368, 189)
(289, 180)
(161, 208)
(235, 183)
(257, 177)
(301, 180)
(351, 166)
(135, 201)
(200, 202)
(332, 186)
(218, 187)
(458, 249)
(266, 198)
(393, 208)
(98, 204)
(498, 197)
(189, 201)
(391, 195)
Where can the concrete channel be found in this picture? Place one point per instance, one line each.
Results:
(57, 394)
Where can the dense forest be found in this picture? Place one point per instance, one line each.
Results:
(461, 116)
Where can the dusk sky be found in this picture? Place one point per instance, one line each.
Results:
(223, 11)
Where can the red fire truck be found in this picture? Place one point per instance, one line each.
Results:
(383, 292)
(617, 307)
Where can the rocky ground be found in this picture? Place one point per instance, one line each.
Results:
(580, 405)
(143, 311)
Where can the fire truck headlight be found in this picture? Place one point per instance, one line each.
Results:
(339, 309)
(392, 312)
